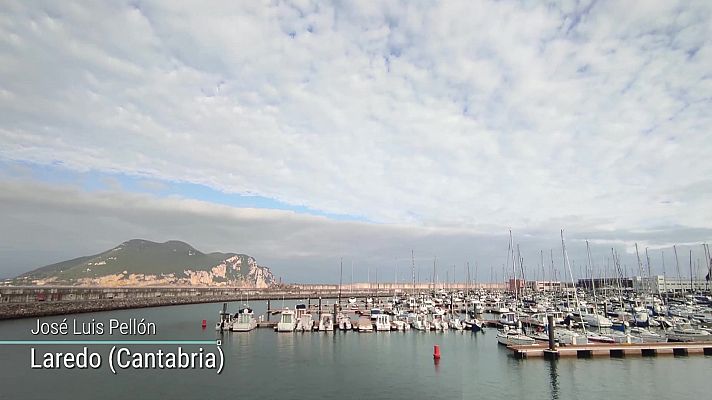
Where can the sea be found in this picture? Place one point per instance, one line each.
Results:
(263, 364)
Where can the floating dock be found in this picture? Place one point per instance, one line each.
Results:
(613, 350)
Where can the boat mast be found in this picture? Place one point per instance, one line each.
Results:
(692, 290)
(412, 258)
(593, 285)
(552, 271)
(650, 274)
(341, 275)
(514, 272)
(640, 265)
(520, 259)
(677, 265)
(477, 268)
(662, 255)
(709, 265)
(571, 274)
(467, 281)
(395, 279)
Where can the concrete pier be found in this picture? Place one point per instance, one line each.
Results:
(613, 350)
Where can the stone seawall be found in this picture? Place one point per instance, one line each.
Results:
(42, 309)
(40, 302)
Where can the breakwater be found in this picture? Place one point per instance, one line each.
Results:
(34, 301)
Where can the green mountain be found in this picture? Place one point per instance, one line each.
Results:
(142, 262)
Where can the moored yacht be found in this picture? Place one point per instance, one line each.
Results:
(686, 333)
(513, 337)
(420, 323)
(306, 323)
(287, 321)
(344, 322)
(383, 322)
(245, 321)
(508, 318)
(365, 324)
(326, 323)
(647, 336)
(597, 321)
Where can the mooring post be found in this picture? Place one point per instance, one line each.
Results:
(269, 309)
(319, 307)
(550, 320)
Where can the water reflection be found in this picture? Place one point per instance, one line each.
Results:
(554, 377)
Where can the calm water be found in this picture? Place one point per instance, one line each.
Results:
(264, 364)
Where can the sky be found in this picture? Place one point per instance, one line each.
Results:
(303, 133)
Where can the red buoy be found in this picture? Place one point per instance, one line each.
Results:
(436, 352)
(205, 323)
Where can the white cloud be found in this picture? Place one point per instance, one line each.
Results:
(448, 114)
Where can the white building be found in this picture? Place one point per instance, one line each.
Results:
(661, 284)
(543, 286)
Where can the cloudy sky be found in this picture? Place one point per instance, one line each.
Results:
(301, 133)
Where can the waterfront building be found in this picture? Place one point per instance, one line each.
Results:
(662, 284)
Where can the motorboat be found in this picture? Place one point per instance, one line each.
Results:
(305, 323)
(375, 312)
(399, 325)
(326, 323)
(383, 322)
(225, 321)
(420, 323)
(345, 322)
(245, 321)
(287, 321)
(364, 324)
(508, 318)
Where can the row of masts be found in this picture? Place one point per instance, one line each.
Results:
(518, 267)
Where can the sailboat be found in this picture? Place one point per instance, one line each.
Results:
(513, 337)
(510, 336)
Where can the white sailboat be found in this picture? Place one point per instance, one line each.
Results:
(647, 336)
(513, 337)
(686, 333)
